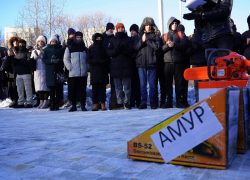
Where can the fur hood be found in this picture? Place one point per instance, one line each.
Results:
(171, 20)
(146, 21)
(10, 43)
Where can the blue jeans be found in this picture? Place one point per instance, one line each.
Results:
(152, 85)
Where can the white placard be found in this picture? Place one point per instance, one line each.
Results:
(186, 132)
(194, 3)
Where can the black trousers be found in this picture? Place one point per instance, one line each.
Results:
(174, 70)
(78, 86)
(12, 89)
(225, 42)
(160, 77)
(98, 93)
(55, 93)
(69, 89)
(135, 97)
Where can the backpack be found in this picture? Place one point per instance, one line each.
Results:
(166, 36)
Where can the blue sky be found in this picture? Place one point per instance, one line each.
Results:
(128, 11)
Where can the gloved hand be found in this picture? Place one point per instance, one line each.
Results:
(55, 61)
(195, 15)
(52, 58)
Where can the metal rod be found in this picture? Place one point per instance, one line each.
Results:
(161, 17)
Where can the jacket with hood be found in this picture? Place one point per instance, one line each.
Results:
(147, 51)
(106, 39)
(75, 59)
(99, 62)
(9, 63)
(40, 72)
(215, 20)
(51, 68)
(245, 46)
(174, 54)
(22, 61)
(121, 50)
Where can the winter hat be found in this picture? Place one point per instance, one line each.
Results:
(22, 41)
(78, 33)
(58, 38)
(71, 31)
(41, 38)
(134, 27)
(110, 26)
(119, 25)
(53, 37)
(181, 28)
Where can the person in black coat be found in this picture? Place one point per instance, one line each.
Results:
(174, 48)
(99, 67)
(237, 38)
(214, 16)
(22, 66)
(245, 39)
(146, 60)
(3, 79)
(135, 99)
(120, 48)
(196, 52)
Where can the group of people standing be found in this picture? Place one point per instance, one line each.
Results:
(129, 64)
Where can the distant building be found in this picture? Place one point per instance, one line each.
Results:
(26, 33)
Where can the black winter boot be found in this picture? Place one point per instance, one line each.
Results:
(83, 107)
(57, 106)
(119, 107)
(73, 108)
(29, 106)
(52, 106)
(127, 106)
(168, 104)
(14, 103)
(19, 106)
(143, 106)
(153, 106)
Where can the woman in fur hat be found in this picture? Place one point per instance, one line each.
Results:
(40, 73)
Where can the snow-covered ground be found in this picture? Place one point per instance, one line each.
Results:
(39, 144)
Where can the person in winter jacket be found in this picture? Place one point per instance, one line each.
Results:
(245, 39)
(174, 46)
(196, 52)
(146, 60)
(40, 72)
(75, 61)
(135, 99)
(213, 16)
(23, 79)
(186, 65)
(68, 43)
(120, 48)
(53, 60)
(236, 38)
(3, 79)
(99, 67)
(8, 66)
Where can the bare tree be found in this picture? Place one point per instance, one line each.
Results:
(28, 13)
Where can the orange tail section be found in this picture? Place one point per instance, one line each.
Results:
(199, 73)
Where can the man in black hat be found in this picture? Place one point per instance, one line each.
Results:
(245, 39)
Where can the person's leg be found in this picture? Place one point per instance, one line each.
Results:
(28, 88)
(157, 87)
(83, 82)
(41, 97)
(179, 85)
(137, 88)
(20, 89)
(52, 97)
(10, 89)
(185, 82)
(152, 87)
(73, 90)
(46, 95)
(103, 96)
(119, 91)
(169, 73)
(162, 86)
(127, 89)
(95, 90)
(132, 96)
(143, 85)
